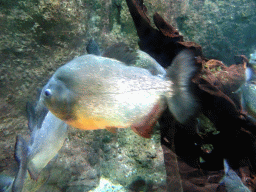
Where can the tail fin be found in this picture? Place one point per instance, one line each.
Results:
(21, 154)
(183, 103)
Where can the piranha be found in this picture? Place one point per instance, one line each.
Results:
(33, 156)
(48, 134)
(248, 101)
(11, 184)
(231, 181)
(21, 155)
(6, 183)
(15, 184)
(94, 92)
(47, 137)
(248, 90)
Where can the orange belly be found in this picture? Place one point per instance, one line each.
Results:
(92, 123)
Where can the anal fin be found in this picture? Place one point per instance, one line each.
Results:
(111, 129)
(145, 127)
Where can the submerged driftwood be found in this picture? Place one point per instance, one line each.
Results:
(215, 86)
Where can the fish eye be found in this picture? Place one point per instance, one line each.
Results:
(48, 92)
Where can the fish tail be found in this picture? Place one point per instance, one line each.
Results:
(183, 103)
(21, 155)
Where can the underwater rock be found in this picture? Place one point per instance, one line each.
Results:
(227, 79)
(105, 186)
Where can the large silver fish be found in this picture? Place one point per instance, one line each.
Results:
(94, 92)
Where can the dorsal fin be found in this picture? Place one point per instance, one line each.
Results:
(93, 48)
(35, 116)
(121, 52)
(31, 115)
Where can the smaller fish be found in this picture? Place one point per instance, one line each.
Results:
(93, 48)
(248, 91)
(249, 74)
(6, 183)
(231, 181)
(47, 137)
(21, 156)
(248, 98)
(253, 58)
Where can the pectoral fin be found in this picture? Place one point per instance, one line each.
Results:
(145, 127)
